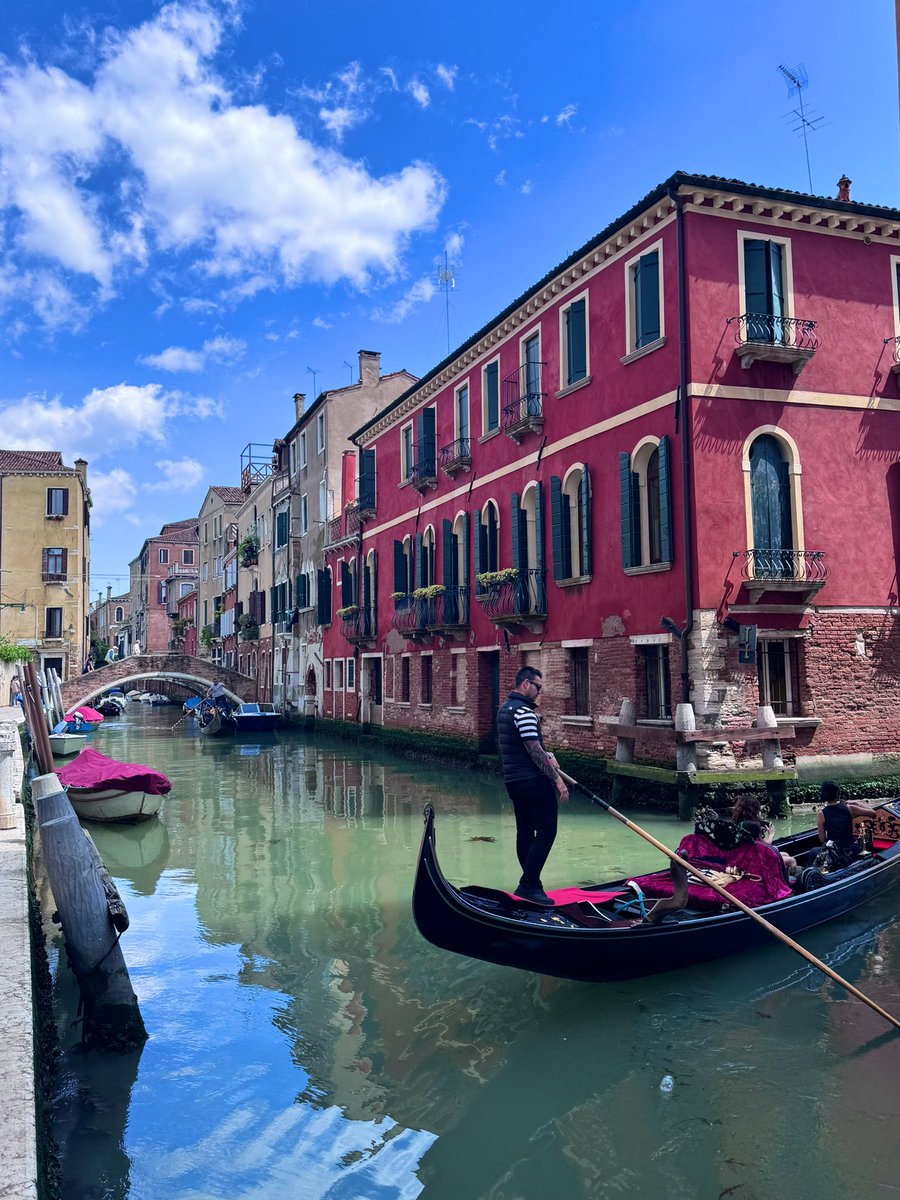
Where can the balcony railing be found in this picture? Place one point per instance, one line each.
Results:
(359, 628)
(360, 509)
(424, 470)
(523, 401)
(522, 596)
(456, 456)
(894, 344)
(412, 616)
(54, 577)
(451, 609)
(782, 570)
(767, 338)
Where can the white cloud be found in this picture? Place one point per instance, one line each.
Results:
(447, 75)
(420, 293)
(499, 130)
(187, 171)
(565, 115)
(391, 75)
(527, 188)
(113, 494)
(178, 475)
(419, 92)
(104, 422)
(320, 323)
(215, 350)
(500, 178)
(453, 245)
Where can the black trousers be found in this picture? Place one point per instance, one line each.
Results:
(536, 808)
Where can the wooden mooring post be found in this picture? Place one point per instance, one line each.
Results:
(112, 1018)
(624, 750)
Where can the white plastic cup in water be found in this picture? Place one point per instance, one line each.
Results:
(667, 1083)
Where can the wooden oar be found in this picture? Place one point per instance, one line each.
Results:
(726, 895)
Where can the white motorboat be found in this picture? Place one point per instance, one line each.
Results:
(63, 744)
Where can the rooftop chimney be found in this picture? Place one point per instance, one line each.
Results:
(369, 366)
(299, 399)
(81, 467)
(844, 189)
(108, 592)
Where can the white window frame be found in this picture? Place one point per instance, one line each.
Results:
(632, 351)
(787, 266)
(457, 397)
(485, 432)
(564, 343)
(163, 556)
(320, 433)
(293, 458)
(304, 514)
(406, 468)
(187, 558)
(338, 677)
(303, 448)
(350, 675)
(326, 675)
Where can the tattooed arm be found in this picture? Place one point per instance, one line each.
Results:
(545, 764)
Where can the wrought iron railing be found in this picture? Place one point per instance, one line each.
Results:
(412, 615)
(359, 509)
(523, 397)
(894, 343)
(450, 608)
(359, 627)
(794, 333)
(804, 566)
(522, 595)
(456, 454)
(424, 469)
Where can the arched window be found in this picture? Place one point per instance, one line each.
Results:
(425, 575)
(774, 511)
(369, 595)
(528, 549)
(570, 521)
(646, 499)
(120, 613)
(487, 540)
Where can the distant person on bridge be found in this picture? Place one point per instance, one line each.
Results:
(112, 655)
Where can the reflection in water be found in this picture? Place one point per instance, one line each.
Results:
(305, 1042)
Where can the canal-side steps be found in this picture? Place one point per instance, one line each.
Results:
(18, 1154)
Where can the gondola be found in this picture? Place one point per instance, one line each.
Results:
(599, 934)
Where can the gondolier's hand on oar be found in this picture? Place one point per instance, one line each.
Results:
(561, 780)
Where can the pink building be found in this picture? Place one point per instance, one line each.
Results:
(176, 545)
(669, 471)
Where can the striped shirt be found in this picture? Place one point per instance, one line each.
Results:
(525, 720)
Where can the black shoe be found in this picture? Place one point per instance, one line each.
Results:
(535, 895)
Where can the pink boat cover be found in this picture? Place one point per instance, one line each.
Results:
(94, 770)
(87, 714)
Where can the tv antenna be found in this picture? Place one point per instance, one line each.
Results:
(803, 120)
(314, 373)
(446, 281)
(349, 366)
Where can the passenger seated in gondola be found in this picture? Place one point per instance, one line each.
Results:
(746, 815)
(835, 823)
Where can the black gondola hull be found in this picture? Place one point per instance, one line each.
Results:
(448, 919)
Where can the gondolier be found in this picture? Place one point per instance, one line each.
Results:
(533, 781)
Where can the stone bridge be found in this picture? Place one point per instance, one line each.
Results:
(195, 675)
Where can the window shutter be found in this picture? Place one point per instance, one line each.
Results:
(646, 278)
(346, 585)
(65, 500)
(366, 590)
(425, 437)
(287, 596)
(776, 275)
(557, 534)
(373, 600)
(492, 382)
(418, 565)
(665, 500)
(320, 598)
(367, 479)
(756, 283)
(273, 602)
(584, 495)
(576, 342)
(45, 563)
(298, 591)
(448, 564)
(400, 579)
(515, 531)
(464, 581)
(625, 500)
(538, 526)
(478, 548)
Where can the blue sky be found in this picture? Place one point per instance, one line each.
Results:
(200, 202)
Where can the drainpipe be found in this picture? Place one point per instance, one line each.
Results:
(683, 424)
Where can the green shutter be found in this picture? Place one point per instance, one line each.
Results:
(776, 277)
(447, 563)
(665, 500)
(464, 581)
(418, 565)
(625, 500)
(273, 604)
(576, 342)
(346, 585)
(757, 302)
(646, 301)
(401, 580)
(556, 529)
(538, 526)
(584, 496)
(478, 548)
(366, 479)
(373, 603)
(515, 531)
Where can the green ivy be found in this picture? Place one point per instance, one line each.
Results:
(11, 653)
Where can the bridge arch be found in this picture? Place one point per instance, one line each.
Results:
(195, 673)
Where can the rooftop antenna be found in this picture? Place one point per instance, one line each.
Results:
(314, 374)
(446, 280)
(804, 121)
(349, 366)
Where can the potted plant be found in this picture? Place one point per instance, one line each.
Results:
(489, 579)
(248, 550)
(248, 627)
(348, 612)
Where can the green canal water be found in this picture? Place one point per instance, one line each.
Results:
(306, 1043)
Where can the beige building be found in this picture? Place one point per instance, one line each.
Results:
(45, 557)
(111, 621)
(253, 614)
(217, 514)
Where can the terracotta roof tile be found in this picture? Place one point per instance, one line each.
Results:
(231, 495)
(31, 460)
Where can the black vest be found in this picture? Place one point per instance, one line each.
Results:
(838, 825)
(514, 758)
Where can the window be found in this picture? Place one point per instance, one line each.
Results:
(579, 680)
(327, 666)
(425, 576)
(304, 515)
(351, 674)
(161, 592)
(530, 377)
(187, 557)
(454, 680)
(57, 502)
(282, 528)
(764, 289)
(120, 613)
(320, 433)
(53, 622)
(490, 397)
(573, 343)
(461, 418)
(218, 565)
(406, 453)
(163, 556)
(657, 686)
(425, 693)
(205, 532)
(487, 541)
(205, 612)
(303, 448)
(570, 519)
(779, 674)
(771, 508)
(184, 589)
(646, 500)
(643, 310)
(54, 565)
(205, 572)
(293, 456)
(404, 679)
(338, 674)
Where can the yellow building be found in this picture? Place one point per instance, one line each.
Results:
(45, 557)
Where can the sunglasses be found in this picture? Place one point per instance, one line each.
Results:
(535, 684)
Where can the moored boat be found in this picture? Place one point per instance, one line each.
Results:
(255, 718)
(83, 719)
(600, 933)
(103, 789)
(62, 743)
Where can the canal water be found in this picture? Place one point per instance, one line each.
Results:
(306, 1043)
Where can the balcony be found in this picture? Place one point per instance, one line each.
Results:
(423, 473)
(797, 571)
(517, 599)
(51, 576)
(894, 344)
(523, 401)
(358, 627)
(456, 457)
(449, 613)
(361, 509)
(762, 337)
(411, 617)
(345, 528)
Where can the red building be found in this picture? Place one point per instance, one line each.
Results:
(670, 471)
(153, 571)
